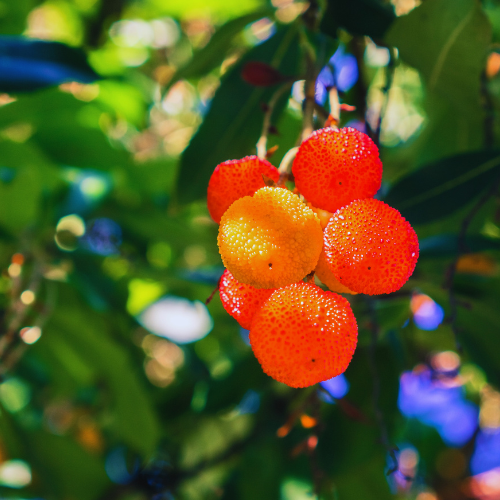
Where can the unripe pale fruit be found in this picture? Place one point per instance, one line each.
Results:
(241, 301)
(334, 167)
(270, 239)
(326, 276)
(303, 335)
(370, 247)
(234, 179)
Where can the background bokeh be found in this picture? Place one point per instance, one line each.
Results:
(117, 380)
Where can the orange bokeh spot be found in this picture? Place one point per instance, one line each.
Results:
(18, 258)
(307, 421)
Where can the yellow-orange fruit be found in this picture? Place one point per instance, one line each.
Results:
(234, 179)
(241, 301)
(370, 247)
(270, 239)
(303, 335)
(334, 167)
(326, 277)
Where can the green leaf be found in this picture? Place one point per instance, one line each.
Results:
(27, 174)
(234, 121)
(134, 420)
(62, 130)
(188, 8)
(68, 470)
(437, 190)
(447, 41)
(212, 55)
(359, 17)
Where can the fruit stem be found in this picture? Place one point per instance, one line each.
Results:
(262, 142)
(287, 161)
(310, 99)
(333, 98)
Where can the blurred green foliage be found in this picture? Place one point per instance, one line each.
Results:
(103, 213)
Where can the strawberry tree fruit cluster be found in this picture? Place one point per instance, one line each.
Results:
(272, 240)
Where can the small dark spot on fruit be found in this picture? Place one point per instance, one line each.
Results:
(270, 264)
(340, 184)
(313, 360)
(369, 268)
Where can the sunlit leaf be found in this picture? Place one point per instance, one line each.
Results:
(447, 41)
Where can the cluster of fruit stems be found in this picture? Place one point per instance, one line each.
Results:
(17, 314)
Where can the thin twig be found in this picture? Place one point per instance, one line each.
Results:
(309, 99)
(489, 113)
(389, 78)
(262, 142)
(19, 310)
(379, 415)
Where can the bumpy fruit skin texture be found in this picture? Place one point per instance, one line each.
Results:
(326, 276)
(270, 239)
(234, 179)
(303, 335)
(370, 247)
(241, 301)
(333, 168)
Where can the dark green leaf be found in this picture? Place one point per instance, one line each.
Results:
(437, 190)
(234, 121)
(68, 470)
(359, 17)
(446, 245)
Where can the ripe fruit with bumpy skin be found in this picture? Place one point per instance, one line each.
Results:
(270, 239)
(334, 167)
(326, 277)
(234, 179)
(241, 301)
(370, 247)
(303, 335)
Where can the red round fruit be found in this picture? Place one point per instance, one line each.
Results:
(234, 179)
(370, 247)
(303, 335)
(334, 167)
(241, 301)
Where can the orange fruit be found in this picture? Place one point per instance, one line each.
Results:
(234, 179)
(303, 335)
(370, 248)
(334, 167)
